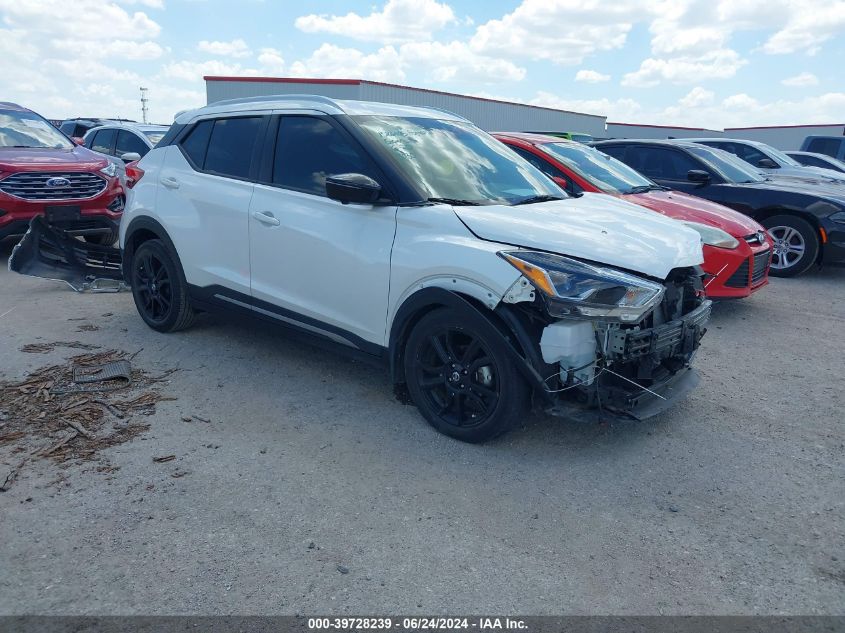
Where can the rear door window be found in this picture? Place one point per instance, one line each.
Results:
(103, 141)
(231, 146)
(308, 149)
(129, 142)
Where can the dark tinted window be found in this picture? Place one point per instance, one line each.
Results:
(196, 143)
(660, 162)
(811, 161)
(747, 153)
(829, 146)
(544, 166)
(103, 141)
(547, 168)
(617, 151)
(230, 147)
(308, 149)
(129, 142)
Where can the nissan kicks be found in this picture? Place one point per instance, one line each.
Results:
(409, 235)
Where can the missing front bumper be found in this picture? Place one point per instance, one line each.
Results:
(51, 253)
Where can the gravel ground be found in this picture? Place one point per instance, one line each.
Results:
(312, 490)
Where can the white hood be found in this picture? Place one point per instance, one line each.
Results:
(595, 227)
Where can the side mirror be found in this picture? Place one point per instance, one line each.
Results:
(698, 175)
(128, 157)
(767, 163)
(561, 182)
(78, 140)
(352, 188)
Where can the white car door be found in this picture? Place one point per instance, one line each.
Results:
(315, 261)
(204, 198)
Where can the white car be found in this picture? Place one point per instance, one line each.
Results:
(409, 235)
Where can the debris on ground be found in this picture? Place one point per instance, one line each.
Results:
(166, 458)
(46, 420)
(43, 348)
(87, 327)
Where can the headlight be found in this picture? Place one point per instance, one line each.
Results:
(577, 290)
(838, 217)
(712, 236)
(109, 170)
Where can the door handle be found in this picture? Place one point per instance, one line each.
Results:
(169, 182)
(266, 217)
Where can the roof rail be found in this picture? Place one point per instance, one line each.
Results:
(291, 97)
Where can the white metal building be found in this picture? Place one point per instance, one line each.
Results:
(633, 130)
(488, 114)
(786, 137)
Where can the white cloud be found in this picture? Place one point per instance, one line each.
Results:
(697, 97)
(591, 76)
(339, 63)
(618, 109)
(81, 19)
(195, 71)
(455, 61)
(399, 21)
(235, 48)
(153, 4)
(800, 80)
(718, 64)
(122, 49)
(562, 31)
(809, 25)
(271, 60)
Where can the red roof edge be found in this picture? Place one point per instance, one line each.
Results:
(285, 80)
(664, 127)
(782, 127)
(306, 80)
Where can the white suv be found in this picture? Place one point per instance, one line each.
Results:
(409, 235)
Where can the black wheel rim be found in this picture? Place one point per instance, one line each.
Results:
(458, 377)
(153, 286)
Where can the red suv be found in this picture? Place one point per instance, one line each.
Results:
(42, 172)
(737, 250)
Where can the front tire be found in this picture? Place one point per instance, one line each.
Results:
(159, 288)
(796, 245)
(462, 377)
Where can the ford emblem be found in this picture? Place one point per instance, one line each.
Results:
(58, 182)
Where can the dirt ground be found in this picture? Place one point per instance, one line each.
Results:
(311, 489)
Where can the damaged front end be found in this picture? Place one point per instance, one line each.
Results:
(48, 252)
(610, 342)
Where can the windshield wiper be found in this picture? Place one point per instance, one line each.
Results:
(646, 188)
(455, 202)
(533, 199)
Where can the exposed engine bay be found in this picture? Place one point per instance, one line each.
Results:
(630, 369)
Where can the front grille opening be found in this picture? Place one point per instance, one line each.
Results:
(53, 185)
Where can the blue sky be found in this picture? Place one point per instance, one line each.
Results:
(714, 63)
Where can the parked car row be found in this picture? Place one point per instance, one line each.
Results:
(489, 274)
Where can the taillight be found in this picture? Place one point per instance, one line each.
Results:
(133, 174)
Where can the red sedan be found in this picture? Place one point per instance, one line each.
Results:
(737, 250)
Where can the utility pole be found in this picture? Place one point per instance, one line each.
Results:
(144, 108)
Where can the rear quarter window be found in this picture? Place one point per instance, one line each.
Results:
(195, 144)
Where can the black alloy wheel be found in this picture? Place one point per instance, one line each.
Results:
(159, 288)
(462, 376)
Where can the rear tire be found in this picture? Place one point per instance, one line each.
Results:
(159, 288)
(796, 245)
(462, 377)
(105, 239)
